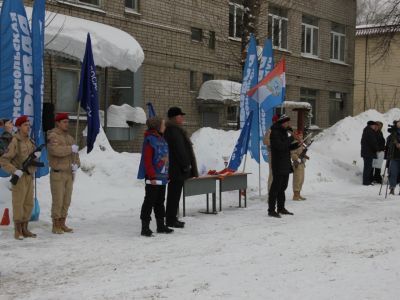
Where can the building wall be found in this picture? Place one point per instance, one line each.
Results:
(376, 82)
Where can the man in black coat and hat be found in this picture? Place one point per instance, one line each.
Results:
(369, 148)
(182, 163)
(281, 145)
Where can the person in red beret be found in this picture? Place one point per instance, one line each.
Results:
(267, 143)
(64, 162)
(11, 161)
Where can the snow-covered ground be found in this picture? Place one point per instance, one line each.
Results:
(342, 243)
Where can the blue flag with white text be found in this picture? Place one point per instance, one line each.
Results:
(87, 95)
(150, 109)
(241, 144)
(38, 22)
(16, 73)
(266, 65)
(247, 104)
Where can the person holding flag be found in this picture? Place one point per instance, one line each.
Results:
(64, 162)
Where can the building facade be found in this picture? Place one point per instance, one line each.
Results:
(189, 42)
(376, 79)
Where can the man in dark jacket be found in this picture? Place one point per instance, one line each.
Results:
(377, 177)
(393, 155)
(182, 163)
(281, 145)
(369, 148)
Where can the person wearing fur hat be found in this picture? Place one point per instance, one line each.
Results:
(267, 142)
(281, 145)
(369, 149)
(19, 149)
(153, 168)
(182, 163)
(64, 161)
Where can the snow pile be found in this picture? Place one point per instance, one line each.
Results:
(220, 90)
(118, 115)
(111, 46)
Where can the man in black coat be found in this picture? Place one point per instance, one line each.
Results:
(182, 163)
(369, 148)
(377, 177)
(281, 145)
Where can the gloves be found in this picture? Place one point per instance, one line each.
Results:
(75, 148)
(18, 173)
(38, 154)
(74, 167)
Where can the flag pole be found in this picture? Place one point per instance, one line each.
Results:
(259, 151)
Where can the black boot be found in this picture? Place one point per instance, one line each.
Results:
(391, 192)
(176, 224)
(161, 228)
(284, 211)
(146, 229)
(274, 214)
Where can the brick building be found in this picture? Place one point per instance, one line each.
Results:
(189, 42)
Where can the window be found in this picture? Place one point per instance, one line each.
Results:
(232, 113)
(131, 4)
(197, 34)
(338, 42)
(211, 40)
(309, 36)
(235, 19)
(210, 119)
(336, 106)
(67, 90)
(207, 77)
(192, 81)
(310, 96)
(278, 27)
(90, 2)
(122, 91)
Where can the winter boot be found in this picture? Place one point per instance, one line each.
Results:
(284, 211)
(26, 232)
(18, 231)
(56, 227)
(64, 227)
(301, 197)
(274, 214)
(391, 191)
(296, 196)
(161, 228)
(146, 231)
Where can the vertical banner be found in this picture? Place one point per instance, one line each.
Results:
(266, 65)
(150, 109)
(250, 79)
(38, 28)
(242, 145)
(87, 95)
(16, 72)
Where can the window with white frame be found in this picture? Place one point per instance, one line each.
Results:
(278, 27)
(310, 96)
(131, 4)
(235, 19)
(310, 36)
(89, 2)
(338, 42)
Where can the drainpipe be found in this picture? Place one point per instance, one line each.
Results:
(365, 72)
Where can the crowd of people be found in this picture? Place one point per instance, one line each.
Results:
(375, 149)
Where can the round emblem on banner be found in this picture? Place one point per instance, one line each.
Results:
(275, 86)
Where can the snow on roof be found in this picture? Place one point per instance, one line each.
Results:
(296, 104)
(118, 115)
(375, 29)
(220, 90)
(112, 47)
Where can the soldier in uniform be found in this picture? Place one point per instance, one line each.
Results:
(64, 162)
(299, 164)
(20, 148)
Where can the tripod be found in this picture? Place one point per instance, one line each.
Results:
(387, 167)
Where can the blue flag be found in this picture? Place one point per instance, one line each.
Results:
(150, 109)
(247, 104)
(16, 72)
(38, 80)
(87, 95)
(266, 65)
(241, 144)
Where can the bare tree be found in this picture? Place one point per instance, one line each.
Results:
(251, 10)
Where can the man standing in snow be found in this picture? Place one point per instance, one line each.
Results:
(369, 148)
(267, 142)
(64, 162)
(281, 145)
(393, 148)
(182, 163)
(377, 163)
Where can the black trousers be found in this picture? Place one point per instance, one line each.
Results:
(277, 192)
(154, 198)
(367, 172)
(173, 198)
(377, 175)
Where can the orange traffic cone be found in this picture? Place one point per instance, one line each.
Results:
(6, 218)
